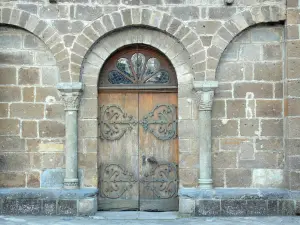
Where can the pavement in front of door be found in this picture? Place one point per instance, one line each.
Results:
(145, 218)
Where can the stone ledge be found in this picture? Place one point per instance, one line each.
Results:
(21, 201)
(239, 202)
(242, 193)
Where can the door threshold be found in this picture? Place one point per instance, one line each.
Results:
(135, 215)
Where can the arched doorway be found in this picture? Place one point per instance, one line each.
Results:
(138, 144)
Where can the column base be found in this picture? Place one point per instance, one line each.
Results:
(71, 184)
(205, 183)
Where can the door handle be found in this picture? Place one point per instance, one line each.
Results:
(144, 160)
(150, 160)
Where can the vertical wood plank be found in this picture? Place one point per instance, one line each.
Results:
(120, 157)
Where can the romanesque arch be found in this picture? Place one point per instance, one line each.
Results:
(45, 31)
(233, 27)
(136, 17)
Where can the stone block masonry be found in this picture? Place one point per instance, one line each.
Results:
(248, 112)
(245, 46)
(30, 134)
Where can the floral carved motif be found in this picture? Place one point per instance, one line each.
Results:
(71, 101)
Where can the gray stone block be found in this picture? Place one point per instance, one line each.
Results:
(28, 206)
(10, 41)
(286, 207)
(186, 206)
(233, 207)
(16, 58)
(49, 207)
(257, 208)
(272, 207)
(186, 12)
(40, 27)
(221, 12)
(67, 207)
(28, 8)
(88, 13)
(66, 26)
(208, 208)
(10, 206)
(87, 207)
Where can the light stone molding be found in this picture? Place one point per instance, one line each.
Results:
(70, 93)
(205, 94)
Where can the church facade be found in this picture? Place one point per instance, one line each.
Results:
(151, 105)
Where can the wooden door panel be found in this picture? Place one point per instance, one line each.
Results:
(158, 158)
(118, 151)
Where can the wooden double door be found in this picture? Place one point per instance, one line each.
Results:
(138, 151)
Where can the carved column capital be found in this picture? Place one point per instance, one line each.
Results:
(70, 93)
(205, 94)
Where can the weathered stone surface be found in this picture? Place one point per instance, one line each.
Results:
(268, 71)
(46, 94)
(234, 207)
(16, 58)
(224, 128)
(33, 180)
(87, 207)
(11, 143)
(3, 109)
(28, 94)
(188, 177)
(29, 129)
(224, 160)
(268, 178)
(238, 178)
(49, 207)
(249, 127)
(220, 12)
(269, 108)
(67, 207)
(51, 129)
(14, 162)
(7, 75)
(236, 108)
(9, 41)
(55, 111)
(272, 128)
(259, 90)
(10, 94)
(29, 76)
(257, 208)
(9, 126)
(27, 110)
(12, 180)
(208, 208)
(186, 206)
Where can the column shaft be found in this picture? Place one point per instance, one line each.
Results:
(205, 95)
(70, 93)
(205, 180)
(71, 178)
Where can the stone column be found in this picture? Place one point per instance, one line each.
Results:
(70, 93)
(205, 94)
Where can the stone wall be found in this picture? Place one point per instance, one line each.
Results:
(202, 29)
(292, 94)
(31, 115)
(248, 111)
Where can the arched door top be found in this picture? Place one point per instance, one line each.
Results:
(138, 67)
